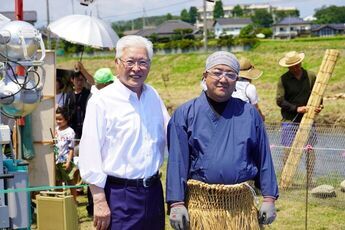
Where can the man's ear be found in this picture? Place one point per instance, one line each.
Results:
(117, 63)
(204, 75)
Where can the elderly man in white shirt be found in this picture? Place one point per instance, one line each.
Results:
(123, 142)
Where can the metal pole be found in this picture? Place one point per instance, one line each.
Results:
(72, 6)
(48, 21)
(289, 28)
(205, 27)
(144, 15)
(308, 151)
(19, 10)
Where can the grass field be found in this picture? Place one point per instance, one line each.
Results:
(177, 77)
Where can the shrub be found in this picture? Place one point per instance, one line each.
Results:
(186, 44)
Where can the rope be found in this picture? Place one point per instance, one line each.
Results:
(41, 188)
(306, 148)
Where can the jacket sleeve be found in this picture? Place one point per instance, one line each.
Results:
(266, 179)
(178, 160)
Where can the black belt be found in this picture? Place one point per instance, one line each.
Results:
(146, 182)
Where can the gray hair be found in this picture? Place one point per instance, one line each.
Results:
(133, 41)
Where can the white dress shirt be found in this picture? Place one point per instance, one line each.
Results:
(94, 89)
(123, 136)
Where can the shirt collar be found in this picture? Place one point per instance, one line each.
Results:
(207, 107)
(94, 89)
(304, 74)
(127, 92)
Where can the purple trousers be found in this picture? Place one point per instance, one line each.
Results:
(135, 207)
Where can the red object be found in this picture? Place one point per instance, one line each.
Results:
(19, 10)
(309, 148)
(21, 121)
(20, 70)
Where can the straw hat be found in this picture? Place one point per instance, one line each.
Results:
(291, 58)
(247, 70)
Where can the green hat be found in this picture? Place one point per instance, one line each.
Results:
(103, 75)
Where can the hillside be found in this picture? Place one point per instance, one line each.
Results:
(182, 74)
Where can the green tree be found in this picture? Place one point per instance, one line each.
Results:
(266, 31)
(247, 31)
(218, 11)
(331, 14)
(281, 14)
(184, 15)
(193, 14)
(119, 29)
(226, 40)
(237, 11)
(262, 18)
(169, 16)
(180, 34)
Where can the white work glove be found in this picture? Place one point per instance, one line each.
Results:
(179, 219)
(267, 213)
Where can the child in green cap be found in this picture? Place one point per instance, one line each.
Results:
(102, 77)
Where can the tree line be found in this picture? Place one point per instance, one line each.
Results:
(261, 18)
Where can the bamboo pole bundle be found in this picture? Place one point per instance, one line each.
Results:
(302, 135)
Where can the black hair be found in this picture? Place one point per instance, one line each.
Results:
(62, 85)
(63, 112)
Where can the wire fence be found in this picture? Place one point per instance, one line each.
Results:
(326, 149)
(322, 163)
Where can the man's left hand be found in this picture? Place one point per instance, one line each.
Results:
(267, 213)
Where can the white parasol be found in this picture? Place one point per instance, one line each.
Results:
(85, 30)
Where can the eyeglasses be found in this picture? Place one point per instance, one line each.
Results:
(142, 64)
(218, 75)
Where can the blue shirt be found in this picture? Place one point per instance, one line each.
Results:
(226, 149)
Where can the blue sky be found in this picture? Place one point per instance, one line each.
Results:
(115, 10)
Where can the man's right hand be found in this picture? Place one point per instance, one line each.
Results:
(179, 218)
(101, 211)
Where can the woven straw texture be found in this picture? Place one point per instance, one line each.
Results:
(221, 206)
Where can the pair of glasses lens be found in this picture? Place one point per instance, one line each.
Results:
(131, 63)
(228, 75)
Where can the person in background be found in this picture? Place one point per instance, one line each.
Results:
(216, 139)
(293, 92)
(64, 147)
(76, 103)
(122, 146)
(61, 88)
(102, 78)
(60, 97)
(245, 90)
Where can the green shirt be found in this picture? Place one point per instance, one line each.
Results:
(293, 92)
